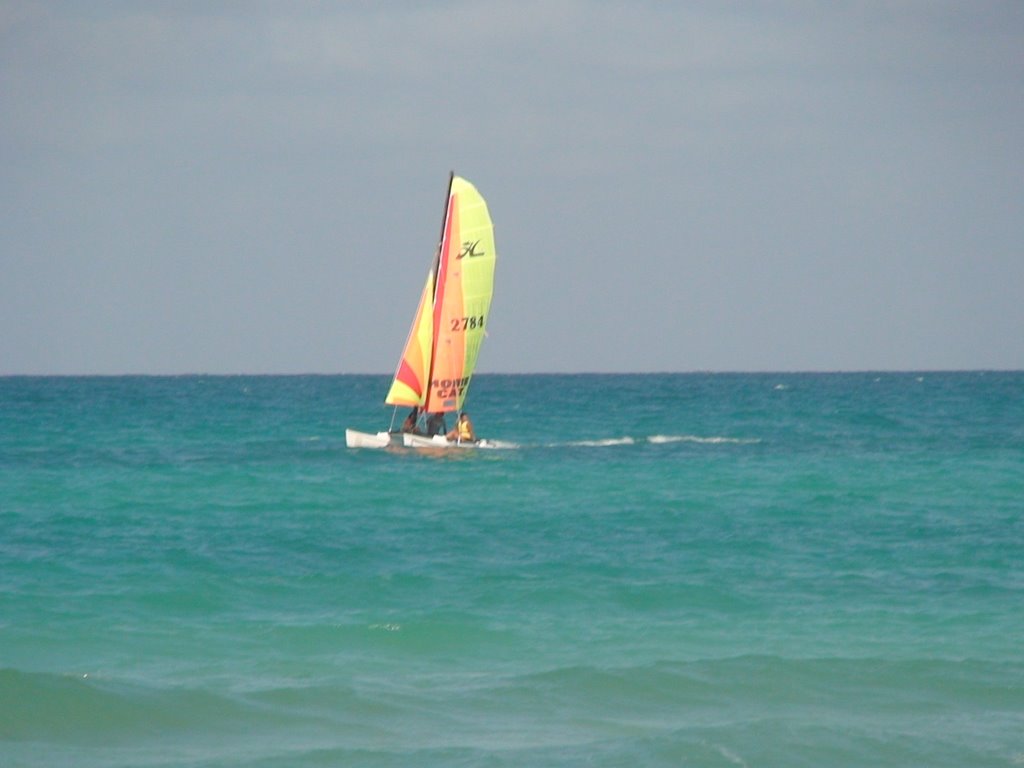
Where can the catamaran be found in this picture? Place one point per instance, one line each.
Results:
(437, 363)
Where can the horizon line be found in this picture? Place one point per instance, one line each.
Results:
(691, 372)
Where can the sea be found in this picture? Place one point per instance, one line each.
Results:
(754, 570)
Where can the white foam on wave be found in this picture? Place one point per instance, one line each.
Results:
(606, 442)
(713, 440)
(610, 442)
(501, 445)
(731, 756)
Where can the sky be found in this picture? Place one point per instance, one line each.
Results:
(257, 187)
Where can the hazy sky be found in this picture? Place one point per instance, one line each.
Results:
(257, 187)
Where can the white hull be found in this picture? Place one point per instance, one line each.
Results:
(356, 439)
(438, 441)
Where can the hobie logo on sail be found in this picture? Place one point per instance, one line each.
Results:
(469, 249)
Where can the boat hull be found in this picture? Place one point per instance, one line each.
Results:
(356, 439)
(438, 441)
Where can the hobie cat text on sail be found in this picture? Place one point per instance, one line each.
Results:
(447, 388)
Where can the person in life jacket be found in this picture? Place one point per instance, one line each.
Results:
(463, 431)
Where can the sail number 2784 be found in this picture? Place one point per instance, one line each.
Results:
(467, 323)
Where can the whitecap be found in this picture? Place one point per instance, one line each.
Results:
(713, 440)
(606, 442)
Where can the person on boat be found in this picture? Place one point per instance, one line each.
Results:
(409, 425)
(463, 431)
(436, 425)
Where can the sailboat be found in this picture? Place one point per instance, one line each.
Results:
(440, 353)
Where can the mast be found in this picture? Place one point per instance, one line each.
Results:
(440, 240)
(438, 283)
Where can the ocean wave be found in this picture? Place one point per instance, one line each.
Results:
(713, 711)
(86, 709)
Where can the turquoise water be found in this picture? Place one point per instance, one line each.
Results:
(671, 570)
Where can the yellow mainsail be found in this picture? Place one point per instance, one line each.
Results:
(444, 341)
